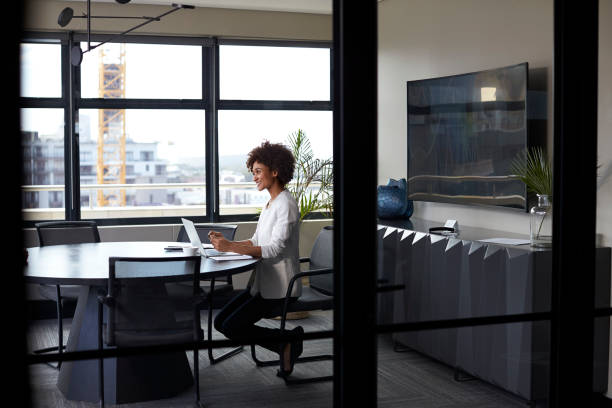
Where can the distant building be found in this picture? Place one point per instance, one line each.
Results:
(43, 164)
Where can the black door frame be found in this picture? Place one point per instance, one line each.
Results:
(355, 34)
(575, 199)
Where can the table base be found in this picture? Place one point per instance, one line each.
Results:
(126, 379)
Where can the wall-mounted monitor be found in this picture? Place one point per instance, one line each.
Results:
(464, 131)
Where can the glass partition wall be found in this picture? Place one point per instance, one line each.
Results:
(456, 276)
(157, 143)
(468, 284)
(466, 318)
(500, 328)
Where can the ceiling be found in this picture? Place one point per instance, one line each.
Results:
(294, 6)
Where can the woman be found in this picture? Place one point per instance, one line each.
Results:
(276, 241)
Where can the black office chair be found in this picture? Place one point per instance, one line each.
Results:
(317, 296)
(60, 233)
(175, 290)
(126, 328)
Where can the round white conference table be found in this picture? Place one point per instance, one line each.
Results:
(129, 378)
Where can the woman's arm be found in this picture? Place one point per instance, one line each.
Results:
(241, 247)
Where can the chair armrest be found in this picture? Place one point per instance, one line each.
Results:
(295, 277)
(312, 272)
(300, 275)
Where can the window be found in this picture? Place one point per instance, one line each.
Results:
(85, 156)
(240, 131)
(151, 71)
(286, 80)
(274, 73)
(146, 156)
(41, 70)
(42, 139)
(160, 153)
(171, 162)
(144, 124)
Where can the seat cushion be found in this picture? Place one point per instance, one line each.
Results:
(66, 291)
(311, 299)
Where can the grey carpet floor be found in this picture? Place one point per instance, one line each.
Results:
(404, 379)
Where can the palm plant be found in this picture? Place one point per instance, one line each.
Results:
(308, 171)
(533, 169)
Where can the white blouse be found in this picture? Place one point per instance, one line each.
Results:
(278, 235)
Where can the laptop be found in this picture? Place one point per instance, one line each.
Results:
(194, 238)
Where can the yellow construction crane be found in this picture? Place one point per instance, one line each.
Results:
(111, 125)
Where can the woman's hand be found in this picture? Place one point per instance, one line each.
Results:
(212, 234)
(220, 243)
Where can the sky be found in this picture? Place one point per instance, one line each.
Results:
(170, 71)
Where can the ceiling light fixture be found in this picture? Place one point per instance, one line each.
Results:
(76, 53)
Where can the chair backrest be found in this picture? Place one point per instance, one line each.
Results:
(228, 232)
(322, 256)
(67, 232)
(139, 299)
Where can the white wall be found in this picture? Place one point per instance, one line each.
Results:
(429, 38)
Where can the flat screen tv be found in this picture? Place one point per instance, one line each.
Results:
(464, 131)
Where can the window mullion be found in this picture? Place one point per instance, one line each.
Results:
(71, 157)
(209, 95)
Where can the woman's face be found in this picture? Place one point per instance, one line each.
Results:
(263, 176)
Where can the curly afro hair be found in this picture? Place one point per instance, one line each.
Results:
(277, 157)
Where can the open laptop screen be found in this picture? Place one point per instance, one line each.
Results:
(194, 238)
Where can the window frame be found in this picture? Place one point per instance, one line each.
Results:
(63, 102)
(210, 103)
(267, 105)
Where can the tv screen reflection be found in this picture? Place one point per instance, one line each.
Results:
(464, 131)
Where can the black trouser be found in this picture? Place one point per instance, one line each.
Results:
(238, 317)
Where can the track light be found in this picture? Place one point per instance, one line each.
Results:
(65, 17)
(67, 14)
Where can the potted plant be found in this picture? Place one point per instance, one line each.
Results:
(533, 169)
(312, 185)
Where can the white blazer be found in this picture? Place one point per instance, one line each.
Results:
(278, 235)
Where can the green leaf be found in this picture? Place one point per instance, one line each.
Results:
(533, 169)
(308, 170)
